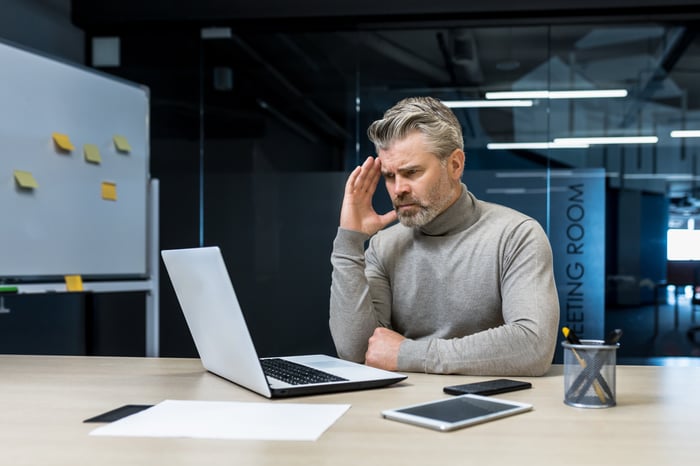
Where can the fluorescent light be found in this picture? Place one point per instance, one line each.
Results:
(518, 95)
(588, 94)
(610, 140)
(486, 103)
(660, 176)
(685, 134)
(573, 143)
(534, 145)
(555, 174)
(594, 94)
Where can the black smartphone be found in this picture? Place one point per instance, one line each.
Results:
(488, 387)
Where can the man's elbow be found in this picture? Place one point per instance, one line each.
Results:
(541, 357)
(353, 356)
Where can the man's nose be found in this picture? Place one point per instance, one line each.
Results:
(401, 186)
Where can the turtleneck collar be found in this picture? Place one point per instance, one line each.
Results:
(458, 217)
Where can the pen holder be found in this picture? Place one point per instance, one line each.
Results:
(589, 374)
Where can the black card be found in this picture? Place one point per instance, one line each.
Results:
(115, 414)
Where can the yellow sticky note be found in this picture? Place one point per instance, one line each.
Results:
(25, 179)
(121, 143)
(92, 153)
(74, 282)
(109, 191)
(62, 141)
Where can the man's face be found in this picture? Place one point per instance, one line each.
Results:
(419, 185)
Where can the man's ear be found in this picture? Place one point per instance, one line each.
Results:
(455, 164)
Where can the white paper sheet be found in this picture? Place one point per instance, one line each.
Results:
(228, 420)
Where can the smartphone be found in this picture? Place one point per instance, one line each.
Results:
(457, 412)
(488, 387)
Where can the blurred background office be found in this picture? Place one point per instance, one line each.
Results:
(583, 114)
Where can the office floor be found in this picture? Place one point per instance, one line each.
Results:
(670, 345)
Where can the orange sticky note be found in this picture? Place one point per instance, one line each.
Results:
(25, 179)
(62, 141)
(92, 153)
(74, 282)
(109, 191)
(121, 143)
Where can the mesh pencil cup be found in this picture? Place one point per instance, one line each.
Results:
(589, 374)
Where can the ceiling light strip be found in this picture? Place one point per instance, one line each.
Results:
(568, 94)
(609, 140)
(685, 133)
(486, 103)
(534, 145)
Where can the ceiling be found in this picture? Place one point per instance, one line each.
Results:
(313, 79)
(316, 75)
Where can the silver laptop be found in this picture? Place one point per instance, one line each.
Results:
(219, 331)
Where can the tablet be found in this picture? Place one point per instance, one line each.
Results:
(457, 412)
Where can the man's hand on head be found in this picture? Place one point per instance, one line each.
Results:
(357, 212)
(383, 349)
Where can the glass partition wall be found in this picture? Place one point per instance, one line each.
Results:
(589, 128)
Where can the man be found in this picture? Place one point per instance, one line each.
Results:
(458, 285)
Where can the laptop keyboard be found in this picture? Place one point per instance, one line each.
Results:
(296, 374)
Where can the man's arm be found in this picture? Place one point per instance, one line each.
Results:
(352, 311)
(525, 343)
(352, 319)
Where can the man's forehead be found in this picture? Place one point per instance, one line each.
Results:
(400, 164)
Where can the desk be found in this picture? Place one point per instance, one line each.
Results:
(43, 401)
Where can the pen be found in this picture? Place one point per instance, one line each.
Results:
(613, 337)
(574, 340)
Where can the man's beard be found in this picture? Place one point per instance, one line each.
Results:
(439, 198)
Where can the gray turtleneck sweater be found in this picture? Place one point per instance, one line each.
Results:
(472, 291)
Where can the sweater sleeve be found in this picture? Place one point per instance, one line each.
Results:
(524, 345)
(353, 316)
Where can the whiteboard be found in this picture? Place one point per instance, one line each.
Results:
(81, 218)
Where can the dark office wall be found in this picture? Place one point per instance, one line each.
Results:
(43, 324)
(43, 25)
(635, 246)
(275, 231)
(653, 228)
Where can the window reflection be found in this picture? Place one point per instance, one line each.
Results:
(620, 101)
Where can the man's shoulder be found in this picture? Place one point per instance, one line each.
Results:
(498, 216)
(501, 211)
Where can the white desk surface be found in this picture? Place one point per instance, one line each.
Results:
(44, 399)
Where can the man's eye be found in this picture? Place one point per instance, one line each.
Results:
(389, 176)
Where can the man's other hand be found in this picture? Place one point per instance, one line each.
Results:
(383, 349)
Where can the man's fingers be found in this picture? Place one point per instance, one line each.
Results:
(352, 179)
(388, 218)
(366, 178)
(376, 174)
